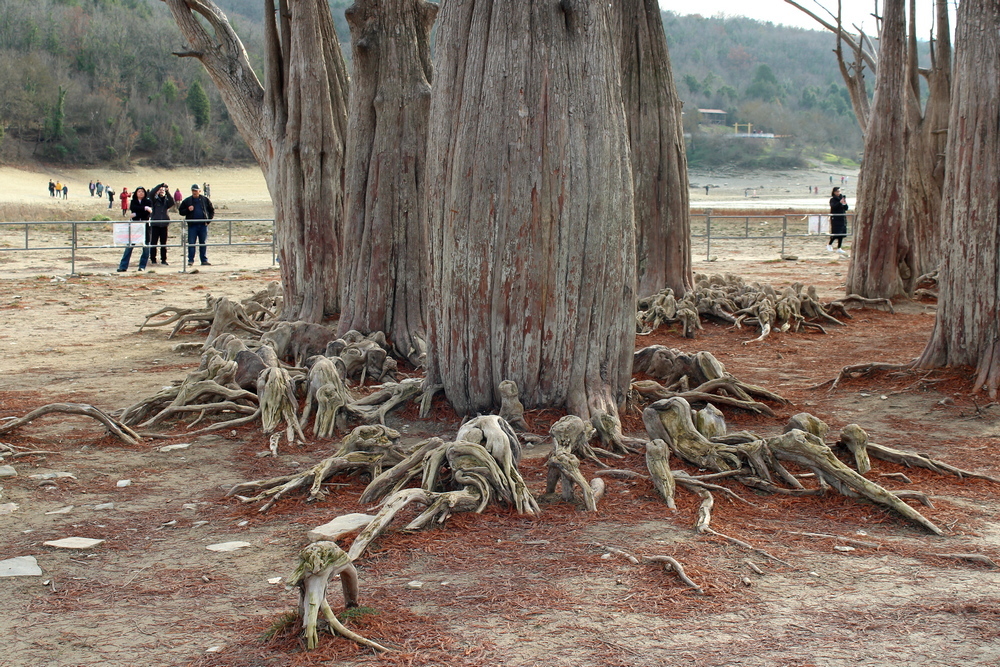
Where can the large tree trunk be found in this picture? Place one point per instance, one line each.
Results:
(529, 207)
(928, 134)
(295, 128)
(967, 330)
(882, 244)
(659, 163)
(387, 128)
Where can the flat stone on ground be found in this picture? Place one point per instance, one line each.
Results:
(228, 546)
(342, 525)
(73, 543)
(22, 566)
(7, 471)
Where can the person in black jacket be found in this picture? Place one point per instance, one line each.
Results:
(838, 221)
(198, 211)
(163, 201)
(141, 208)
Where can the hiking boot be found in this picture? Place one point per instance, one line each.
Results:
(206, 264)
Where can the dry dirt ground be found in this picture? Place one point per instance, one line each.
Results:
(498, 588)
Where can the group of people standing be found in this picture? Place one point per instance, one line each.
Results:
(58, 189)
(152, 208)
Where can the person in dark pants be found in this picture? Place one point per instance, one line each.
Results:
(838, 221)
(198, 211)
(163, 201)
(141, 208)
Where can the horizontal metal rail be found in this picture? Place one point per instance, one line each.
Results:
(74, 244)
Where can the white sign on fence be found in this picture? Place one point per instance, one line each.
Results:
(819, 224)
(129, 233)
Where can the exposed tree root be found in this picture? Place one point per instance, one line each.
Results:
(318, 563)
(457, 476)
(670, 420)
(367, 449)
(729, 299)
(673, 565)
(714, 385)
(861, 370)
(115, 427)
(511, 409)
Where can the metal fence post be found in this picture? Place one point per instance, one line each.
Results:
(708, 235)
(784, 231)
(184, 254)
(72, 252)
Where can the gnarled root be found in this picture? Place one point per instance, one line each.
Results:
(564, 467)
(511, 409)
(114, 426)
(318, 563)
(367, 449)
(658, 463)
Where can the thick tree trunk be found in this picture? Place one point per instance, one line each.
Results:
(659, 163)
(529, 207)
(928, 134)
(295, 128)
(882, 246)
(967, 330)
(390, 99)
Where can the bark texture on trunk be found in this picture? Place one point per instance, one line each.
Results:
(383, 281)
(295, 127)
(659, 162)
(928, 135)
(882, 246)
(529, 207)
(967, 330)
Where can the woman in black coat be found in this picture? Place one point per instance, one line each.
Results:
(838, 221)
(163, 201)
(141, 208)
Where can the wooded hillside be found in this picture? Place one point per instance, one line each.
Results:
(95, 81)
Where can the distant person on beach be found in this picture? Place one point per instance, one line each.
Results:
(65, 191)
(838, 221)
(208, 190)
(52, 188)
(100, 189)
(706, 190)
(198, 211)
(163, 201)
(124, 200)
(141, 208)
(178, 197)
(111, 196)
(91, 188)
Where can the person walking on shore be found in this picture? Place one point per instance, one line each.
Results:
(198, 211)
(124, 199)
(163, 201)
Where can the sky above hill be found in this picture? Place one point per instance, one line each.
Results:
(778, 11)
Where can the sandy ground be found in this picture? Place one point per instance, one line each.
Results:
(496, 588)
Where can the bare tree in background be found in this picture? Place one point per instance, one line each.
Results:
(295, 125)
(915, 239)
(529, 207)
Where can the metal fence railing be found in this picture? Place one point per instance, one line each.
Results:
(88, 234)
(761, 227)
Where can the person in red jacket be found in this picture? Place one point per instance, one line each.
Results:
(124, 196)
(178, 197)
